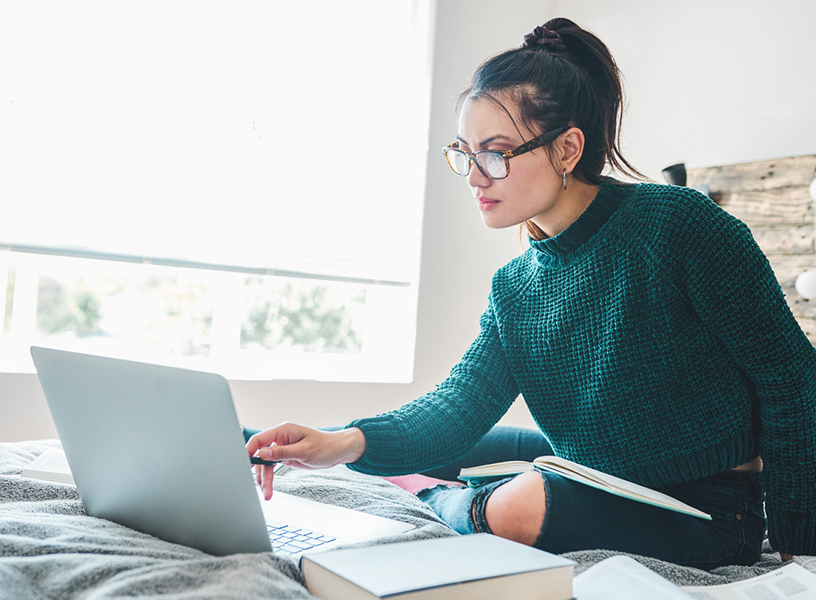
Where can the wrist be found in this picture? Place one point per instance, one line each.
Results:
(354, 442)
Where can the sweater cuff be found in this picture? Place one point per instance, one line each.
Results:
(793, 533)
(381, 452)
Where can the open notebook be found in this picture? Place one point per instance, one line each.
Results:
(160, 450)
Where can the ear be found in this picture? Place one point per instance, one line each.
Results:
(571, 148)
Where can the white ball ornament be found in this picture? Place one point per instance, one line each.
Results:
(806, 282)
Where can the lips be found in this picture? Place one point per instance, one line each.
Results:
(486, 204)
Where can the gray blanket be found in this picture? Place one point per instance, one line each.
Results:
(50, 548)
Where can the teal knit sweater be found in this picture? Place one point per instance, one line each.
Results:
(650, 340)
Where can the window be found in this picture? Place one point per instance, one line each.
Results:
(229, 186)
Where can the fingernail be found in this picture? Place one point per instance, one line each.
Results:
(265, 453)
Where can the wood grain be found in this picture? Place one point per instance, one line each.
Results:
(761, 175)
(772, 197)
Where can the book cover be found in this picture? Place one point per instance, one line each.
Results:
(475, 567)
(475, 476)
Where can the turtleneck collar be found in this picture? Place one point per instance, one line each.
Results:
(560, 249)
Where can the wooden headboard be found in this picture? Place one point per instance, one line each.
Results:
(772, 198)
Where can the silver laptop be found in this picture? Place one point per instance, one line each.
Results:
(159, 449)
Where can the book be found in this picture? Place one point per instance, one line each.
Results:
(791, 582)
(623, 578)
(475, 476)
(480, 566)
(51, 465)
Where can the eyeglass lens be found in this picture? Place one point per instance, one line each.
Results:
(491, 163)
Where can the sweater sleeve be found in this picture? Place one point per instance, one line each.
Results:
(446, 423)
(736, 295)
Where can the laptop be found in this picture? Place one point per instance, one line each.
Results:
(159, 449)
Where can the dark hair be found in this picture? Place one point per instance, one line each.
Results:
(562, 75)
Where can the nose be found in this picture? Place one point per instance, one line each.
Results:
(476, 178)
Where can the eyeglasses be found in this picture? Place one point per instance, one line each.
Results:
(493, 164)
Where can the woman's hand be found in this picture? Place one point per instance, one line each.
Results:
(303, 447)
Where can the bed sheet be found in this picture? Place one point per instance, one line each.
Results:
(50, 548)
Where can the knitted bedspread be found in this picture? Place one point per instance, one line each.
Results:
(50, 548)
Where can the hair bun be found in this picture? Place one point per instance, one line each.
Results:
(541, 36)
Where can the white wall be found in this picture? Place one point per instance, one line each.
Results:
(710, 82)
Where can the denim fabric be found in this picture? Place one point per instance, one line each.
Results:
(462, 508)
(499, 444)
(579, 517)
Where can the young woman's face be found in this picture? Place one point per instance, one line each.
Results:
(532, 190)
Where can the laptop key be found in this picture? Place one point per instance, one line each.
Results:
(292, 540)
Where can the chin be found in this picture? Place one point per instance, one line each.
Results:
(499, 224)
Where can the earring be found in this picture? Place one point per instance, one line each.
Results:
(564, 178)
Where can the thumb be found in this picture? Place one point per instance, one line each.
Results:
(278, 453)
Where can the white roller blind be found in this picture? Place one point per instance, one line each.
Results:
(268, 134)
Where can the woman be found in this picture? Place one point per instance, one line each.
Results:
(644, 329)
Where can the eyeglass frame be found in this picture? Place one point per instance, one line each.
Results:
(536, 142)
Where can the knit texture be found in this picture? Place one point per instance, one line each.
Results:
(650, 340)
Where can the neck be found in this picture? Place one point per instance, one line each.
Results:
(570, 205)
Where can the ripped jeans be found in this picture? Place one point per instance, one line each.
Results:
(578, 517)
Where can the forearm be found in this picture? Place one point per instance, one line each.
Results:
(433, 430)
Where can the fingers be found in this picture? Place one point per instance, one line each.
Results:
(295, 445)
(277, 435)
(265, 439)
(274, 444)
(264, 476)
(267, 474)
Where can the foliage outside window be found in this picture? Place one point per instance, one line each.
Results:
(306, 316)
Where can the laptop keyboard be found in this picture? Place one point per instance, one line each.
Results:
(288, 539)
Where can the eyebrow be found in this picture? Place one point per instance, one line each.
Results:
(486, 141)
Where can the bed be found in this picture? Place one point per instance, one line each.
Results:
(50, 548)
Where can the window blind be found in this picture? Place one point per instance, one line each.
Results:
(261, 136)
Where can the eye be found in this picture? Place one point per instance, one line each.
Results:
(493, 163)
